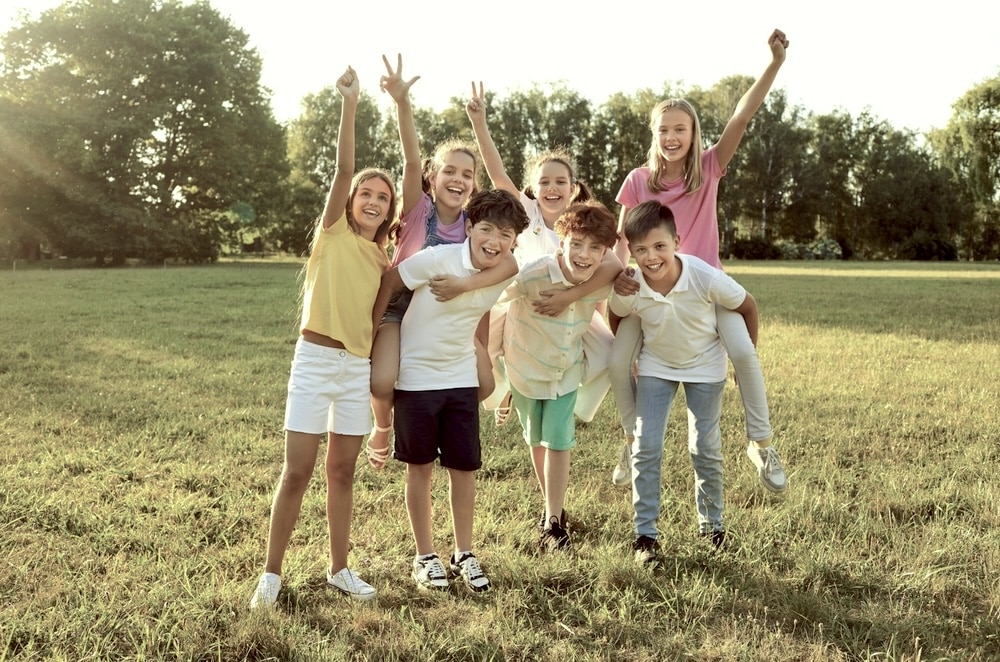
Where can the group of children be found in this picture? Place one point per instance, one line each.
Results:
(499, 297)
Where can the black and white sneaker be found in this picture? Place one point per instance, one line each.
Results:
(554, 537)
(467, 567)
(717, 538)
(542, 524)
(429, 573)
(647, 551)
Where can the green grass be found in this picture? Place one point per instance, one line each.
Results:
(140, 434)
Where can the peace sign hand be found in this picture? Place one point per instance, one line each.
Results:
(476, 107)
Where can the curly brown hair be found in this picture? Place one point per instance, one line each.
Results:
(589, 218)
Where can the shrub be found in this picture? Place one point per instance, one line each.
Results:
(755, 249)
(926, 247)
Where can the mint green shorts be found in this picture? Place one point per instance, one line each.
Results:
(547, 423)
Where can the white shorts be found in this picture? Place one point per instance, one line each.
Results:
(328, 390)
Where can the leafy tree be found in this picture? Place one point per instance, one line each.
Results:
(137, 126)
(969, 147)
(900, 191)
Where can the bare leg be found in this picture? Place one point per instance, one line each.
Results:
(300, 459)
(418, 505)
(556, 481)
(385, 370)
(463, 502)
(341, 458)
(538, 463)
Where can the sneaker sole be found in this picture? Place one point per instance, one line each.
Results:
(362, 597)
(457, 573)
(430, 587)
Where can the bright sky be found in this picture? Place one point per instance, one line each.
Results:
(907, 64)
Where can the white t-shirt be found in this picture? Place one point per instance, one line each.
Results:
(437, 349)
(680, 339)
(537, 240)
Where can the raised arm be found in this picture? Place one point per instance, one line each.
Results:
(476, 109)
(340, 189)
(399, 90)
(751, 100)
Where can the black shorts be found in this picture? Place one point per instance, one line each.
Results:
(433, 424)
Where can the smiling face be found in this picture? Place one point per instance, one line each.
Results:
(370, 205)
(488, 242)
(581, 255)
(553, 189)
(655, 253)
(674, 134)
(454, 180)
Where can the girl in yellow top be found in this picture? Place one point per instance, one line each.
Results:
(328, 390)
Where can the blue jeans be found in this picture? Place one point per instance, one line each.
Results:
(654, 397)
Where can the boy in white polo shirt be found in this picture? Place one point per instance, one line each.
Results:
(681, 345)
(436, 399)
(545, 357)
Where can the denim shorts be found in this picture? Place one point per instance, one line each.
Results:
(397, 307)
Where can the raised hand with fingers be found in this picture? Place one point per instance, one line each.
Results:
(348, 85)
(393, 81)
(476, 107)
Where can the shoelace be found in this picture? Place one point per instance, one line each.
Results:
(472, 568)
(770, 460)
(435, 569)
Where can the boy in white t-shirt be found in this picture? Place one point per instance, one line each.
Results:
(436, 400)
(681, 345)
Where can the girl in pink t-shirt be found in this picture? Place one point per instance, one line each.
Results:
(685, 178)
(433, 213)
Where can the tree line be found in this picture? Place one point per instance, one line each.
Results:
(140, 129)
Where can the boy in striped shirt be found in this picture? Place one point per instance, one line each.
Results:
(544, 355)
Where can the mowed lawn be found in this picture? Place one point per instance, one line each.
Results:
(140, 433)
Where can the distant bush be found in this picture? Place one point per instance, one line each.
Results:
(755, 249)
(821, 249)
(926, 247)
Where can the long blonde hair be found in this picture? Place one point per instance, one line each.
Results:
(693, 177)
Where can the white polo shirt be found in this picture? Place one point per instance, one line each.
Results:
(680, 339)
(437, 349)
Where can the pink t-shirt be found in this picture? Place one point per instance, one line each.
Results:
(413, 234)
(696, 214)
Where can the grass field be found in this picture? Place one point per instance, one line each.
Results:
(140, 432)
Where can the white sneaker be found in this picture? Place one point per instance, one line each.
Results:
(769, 468)
(622, 475)
(429, 573)
(468, 568)
(266, 593)
(347, 581)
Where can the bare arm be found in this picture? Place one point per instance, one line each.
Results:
(340, 189)
(446, 286)
(748, 104)
(748, 309)
(399, 90)
(476, 109)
